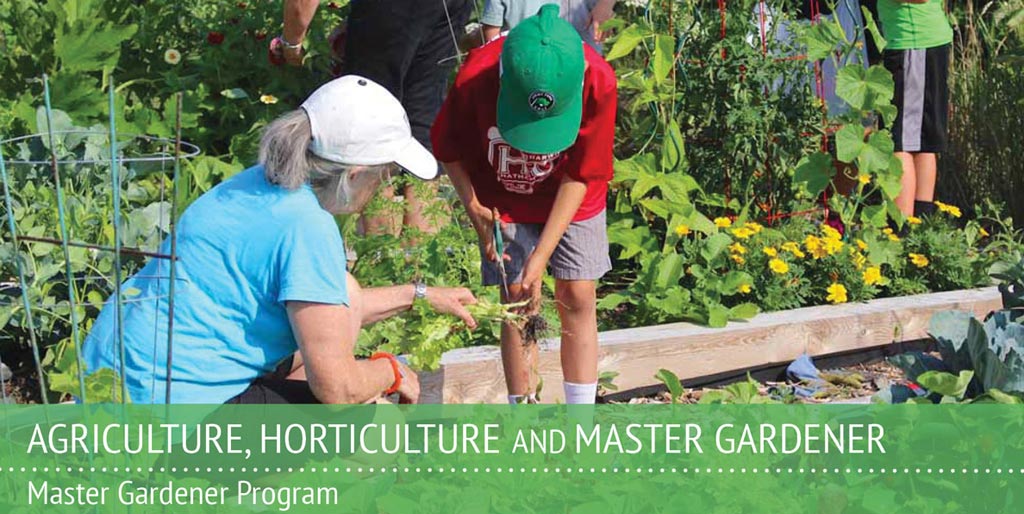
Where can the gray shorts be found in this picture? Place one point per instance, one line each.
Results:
(582, 254)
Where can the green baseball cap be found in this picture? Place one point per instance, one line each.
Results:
(540, 101)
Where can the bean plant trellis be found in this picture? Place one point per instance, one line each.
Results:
(74, 172)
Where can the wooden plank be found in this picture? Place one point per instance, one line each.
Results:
(474, 375)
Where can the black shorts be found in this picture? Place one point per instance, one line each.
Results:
(409, 47)
(269, 391)
(921, 99)
(275, 388)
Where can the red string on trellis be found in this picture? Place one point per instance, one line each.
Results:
(721, 13)
(764, 36)
(819, 91)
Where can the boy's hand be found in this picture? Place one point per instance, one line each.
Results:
(533, 283)
(483, 222)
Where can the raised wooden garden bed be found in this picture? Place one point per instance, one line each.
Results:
(474, 375)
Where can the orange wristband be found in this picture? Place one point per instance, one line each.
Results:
(394, 368)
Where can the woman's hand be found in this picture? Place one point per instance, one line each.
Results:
(452, 300)
(409, 391)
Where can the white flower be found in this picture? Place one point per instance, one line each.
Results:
(172, 56)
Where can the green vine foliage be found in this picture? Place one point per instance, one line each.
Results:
(864, 153)
(713, 136)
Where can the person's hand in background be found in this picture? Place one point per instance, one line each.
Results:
(603, 11)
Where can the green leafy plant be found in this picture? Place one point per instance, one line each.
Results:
(672, 383)
(745, 392)
(606, 382)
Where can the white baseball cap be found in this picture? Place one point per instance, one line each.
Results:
(357, 121)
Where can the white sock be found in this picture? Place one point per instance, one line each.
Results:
(580, 394)
(515, 399)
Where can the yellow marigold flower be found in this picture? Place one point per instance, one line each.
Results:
(794, 249)
(864, 179)
(268, 99)
(913, 220)
(769, 251)
(832, 246)
(172, 56)
(814, 246)
(754, 227)
(836, 293)
(683, 230)
(779, 266)
(859, 260)
(745, 288)
(737, 258)
(742, 232)
(890, 234)
(918, 260)
(952, 210)
(872, 275)
(723, 222)
(737, 248)
(830, 233)
(982, 232)
(862, 245)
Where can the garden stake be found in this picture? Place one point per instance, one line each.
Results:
(499, 249)
(174, 245)
(69, 272)
(115, 177)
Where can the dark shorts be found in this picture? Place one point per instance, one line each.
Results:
(275, 388)
(922, 98)
(408, 47)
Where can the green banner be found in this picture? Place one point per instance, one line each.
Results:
(514, 459)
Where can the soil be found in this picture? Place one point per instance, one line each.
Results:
(23, 386)
(851, 384)
(535, 329)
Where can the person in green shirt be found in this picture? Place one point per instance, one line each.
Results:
(919, 39)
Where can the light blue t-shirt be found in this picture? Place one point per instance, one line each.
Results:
(245, 248)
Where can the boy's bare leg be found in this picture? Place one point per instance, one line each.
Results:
(926, 171)
(385, 218)
(577, 309)
(518, 362)
(905, 200)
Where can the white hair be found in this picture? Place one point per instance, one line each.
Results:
(288, 163)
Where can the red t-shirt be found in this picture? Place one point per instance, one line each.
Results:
(523, 186)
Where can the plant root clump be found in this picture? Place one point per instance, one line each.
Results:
(535, 327)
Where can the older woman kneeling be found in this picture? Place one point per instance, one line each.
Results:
(265, 311)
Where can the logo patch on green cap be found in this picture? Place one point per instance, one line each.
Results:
(541, 101)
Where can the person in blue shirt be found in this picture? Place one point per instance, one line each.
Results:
(265, 311)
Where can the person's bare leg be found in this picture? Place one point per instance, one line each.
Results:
(577, 309)
(384, 217)
(926, 173)
(420, 200)
(517, 361)
(355, 296)
(905, 200)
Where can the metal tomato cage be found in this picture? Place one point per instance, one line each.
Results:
(170, 154)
